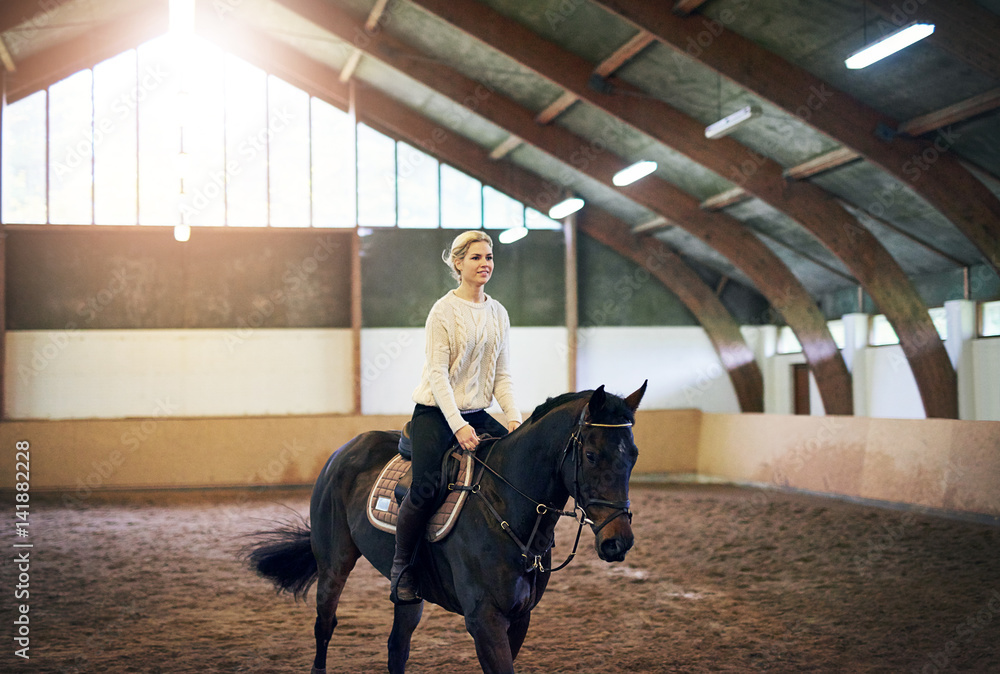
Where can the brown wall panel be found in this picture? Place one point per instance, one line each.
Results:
(114, 278)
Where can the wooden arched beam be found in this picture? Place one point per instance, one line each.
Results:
(84, 51)
(402, 123)
(29, 14)
(727, 235)
(813, 208)
(925, 166)
(668, 268)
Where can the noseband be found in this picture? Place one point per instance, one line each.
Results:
(574, 449)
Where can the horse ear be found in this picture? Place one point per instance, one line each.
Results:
(633, 400)
(596, 400)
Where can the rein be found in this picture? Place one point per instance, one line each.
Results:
(574, 448)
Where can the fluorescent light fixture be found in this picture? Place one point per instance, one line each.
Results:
(513, 234)
(182, 232)
(728, 124)
(890, 44)
(565, 207)
(630, 174)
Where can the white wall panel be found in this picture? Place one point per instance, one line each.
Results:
(682, 367)
(392, 360)
(142, 373)
(986, 368)
(891, 389)
(539, 364)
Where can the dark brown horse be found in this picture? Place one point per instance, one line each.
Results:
(494, 565)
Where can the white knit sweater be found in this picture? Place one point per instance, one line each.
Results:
(467, 362)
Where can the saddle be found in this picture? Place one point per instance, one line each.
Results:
(394, 481)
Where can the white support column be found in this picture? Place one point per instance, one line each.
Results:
(572, 300)
(961, 316)
(763, 340)
(857, 328)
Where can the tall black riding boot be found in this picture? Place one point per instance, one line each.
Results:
(410, 526)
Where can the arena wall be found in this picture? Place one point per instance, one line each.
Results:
(940, 464)
(933, 463)
(82, 456)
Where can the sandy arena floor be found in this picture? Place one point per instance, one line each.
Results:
(721, 580)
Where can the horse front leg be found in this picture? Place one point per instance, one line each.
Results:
(516, 632)
(489, 630)
(405, 619)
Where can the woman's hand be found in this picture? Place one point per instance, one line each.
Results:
(467, 438)
(511, 425)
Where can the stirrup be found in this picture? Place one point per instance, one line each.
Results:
(395, 586)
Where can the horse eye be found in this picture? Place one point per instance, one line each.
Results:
(592, 457)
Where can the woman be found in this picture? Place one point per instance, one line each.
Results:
(466, 367)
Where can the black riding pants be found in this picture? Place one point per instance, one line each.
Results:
(432, 437)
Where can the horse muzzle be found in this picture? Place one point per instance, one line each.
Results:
(614, 549)
(614, 537)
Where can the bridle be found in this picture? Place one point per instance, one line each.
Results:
(575, 447)
(574, 452)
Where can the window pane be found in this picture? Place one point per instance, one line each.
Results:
(501, 211)
(535, 220)
(288, 155)
(159, 135)
(940, 318)
(24, 161)
(787, 341)
(71, 150)
(333, 190)
(882, 333)
(461, 200)
(376, 178)
(200, 111)
(991, 319)
(418, 187)
(115, 143)
(837, 332)
(246, 144)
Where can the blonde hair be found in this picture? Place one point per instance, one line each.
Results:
(460, 247)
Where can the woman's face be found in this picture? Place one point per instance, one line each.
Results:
(476, 267)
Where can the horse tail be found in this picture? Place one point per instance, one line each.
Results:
(284, 556)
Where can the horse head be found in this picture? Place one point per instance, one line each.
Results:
(604, 454)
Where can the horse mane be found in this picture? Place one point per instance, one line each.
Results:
(614, 408)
